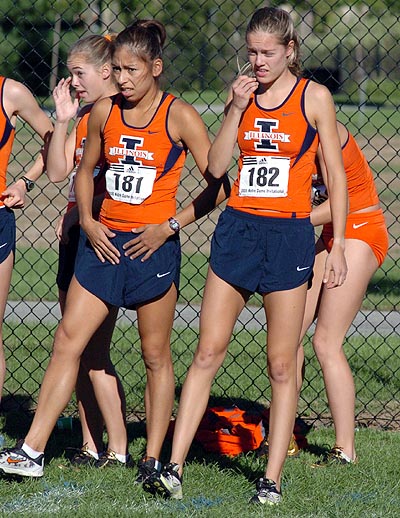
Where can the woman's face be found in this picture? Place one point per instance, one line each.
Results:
(87, 80)
(268, 57)
(134, 76)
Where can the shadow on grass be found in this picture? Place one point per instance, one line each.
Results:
(256, 460)
(63, 443)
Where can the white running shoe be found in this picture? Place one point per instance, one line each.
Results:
(14, 461)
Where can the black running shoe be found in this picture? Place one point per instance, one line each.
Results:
(147, 466)
(167, 484)
(335, 456)
(267, 493)
(82, 457)
(109, 459)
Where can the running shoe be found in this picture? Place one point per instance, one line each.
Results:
(109, 459)
(83, 457)
(167, 484)
(14, 461)
(335, 456)
(147, 466)
(267, 493)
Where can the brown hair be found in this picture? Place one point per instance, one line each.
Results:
(96, 49)
(278, 22)
(144, 37)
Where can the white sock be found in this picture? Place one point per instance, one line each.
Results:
(93, 454)
(121, 458)
(33, 454)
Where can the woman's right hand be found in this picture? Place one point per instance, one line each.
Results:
(99, 236)
(242, 88)
(66, 108)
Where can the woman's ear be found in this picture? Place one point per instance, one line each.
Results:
(106, 71)
(290, 49)
(157, 67)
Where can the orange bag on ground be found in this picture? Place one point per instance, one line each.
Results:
(229, 431)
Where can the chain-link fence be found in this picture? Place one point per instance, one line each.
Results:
(350, 46)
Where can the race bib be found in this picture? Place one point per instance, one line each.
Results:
(264, 177)
(71, 194)
(130, 183)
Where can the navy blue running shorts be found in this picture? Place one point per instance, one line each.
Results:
(7, 233)
(131, 282)
(66, 258)
(262, 254)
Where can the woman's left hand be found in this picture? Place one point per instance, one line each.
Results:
(335, 267)
(150, 239)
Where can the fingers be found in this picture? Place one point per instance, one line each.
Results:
(99, 236)
(105, 251)
(334, 277)
(12, 199)
(135, 247)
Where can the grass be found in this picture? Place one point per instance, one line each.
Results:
(214, 486)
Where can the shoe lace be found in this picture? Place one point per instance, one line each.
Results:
(265, 486)
(109, 455)
(172, 471)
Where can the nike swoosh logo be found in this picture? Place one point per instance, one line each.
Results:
(355, 226)
(300, 269)
(14, 461)
(287, 114)
(4, 244)
(153, 132)
(159, 275)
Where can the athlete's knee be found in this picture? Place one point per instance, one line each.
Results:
(209, 357)
(323, 346)
(63, 344)
(281, 369)
(157, 356)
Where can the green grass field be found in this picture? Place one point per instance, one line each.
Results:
(214, 486)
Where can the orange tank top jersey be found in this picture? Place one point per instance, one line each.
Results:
(98, 173)
(7, 133)
(144, 168)
(360, 180)
(277, 157)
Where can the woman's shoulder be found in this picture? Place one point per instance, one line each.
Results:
(316, 89)
(182, 110)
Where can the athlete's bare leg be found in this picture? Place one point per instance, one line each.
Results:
(98, 372)
(284, 311)
(221, 306)
(337, 311)
(83, 315)
(312, 304)
(155, 321)
(92, 422)
(5, 279)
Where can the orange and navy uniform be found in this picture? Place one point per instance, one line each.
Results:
(144, 166)
(360, 181)
(98, 173)
(7, 134)
(365, 226)
(277, 158)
